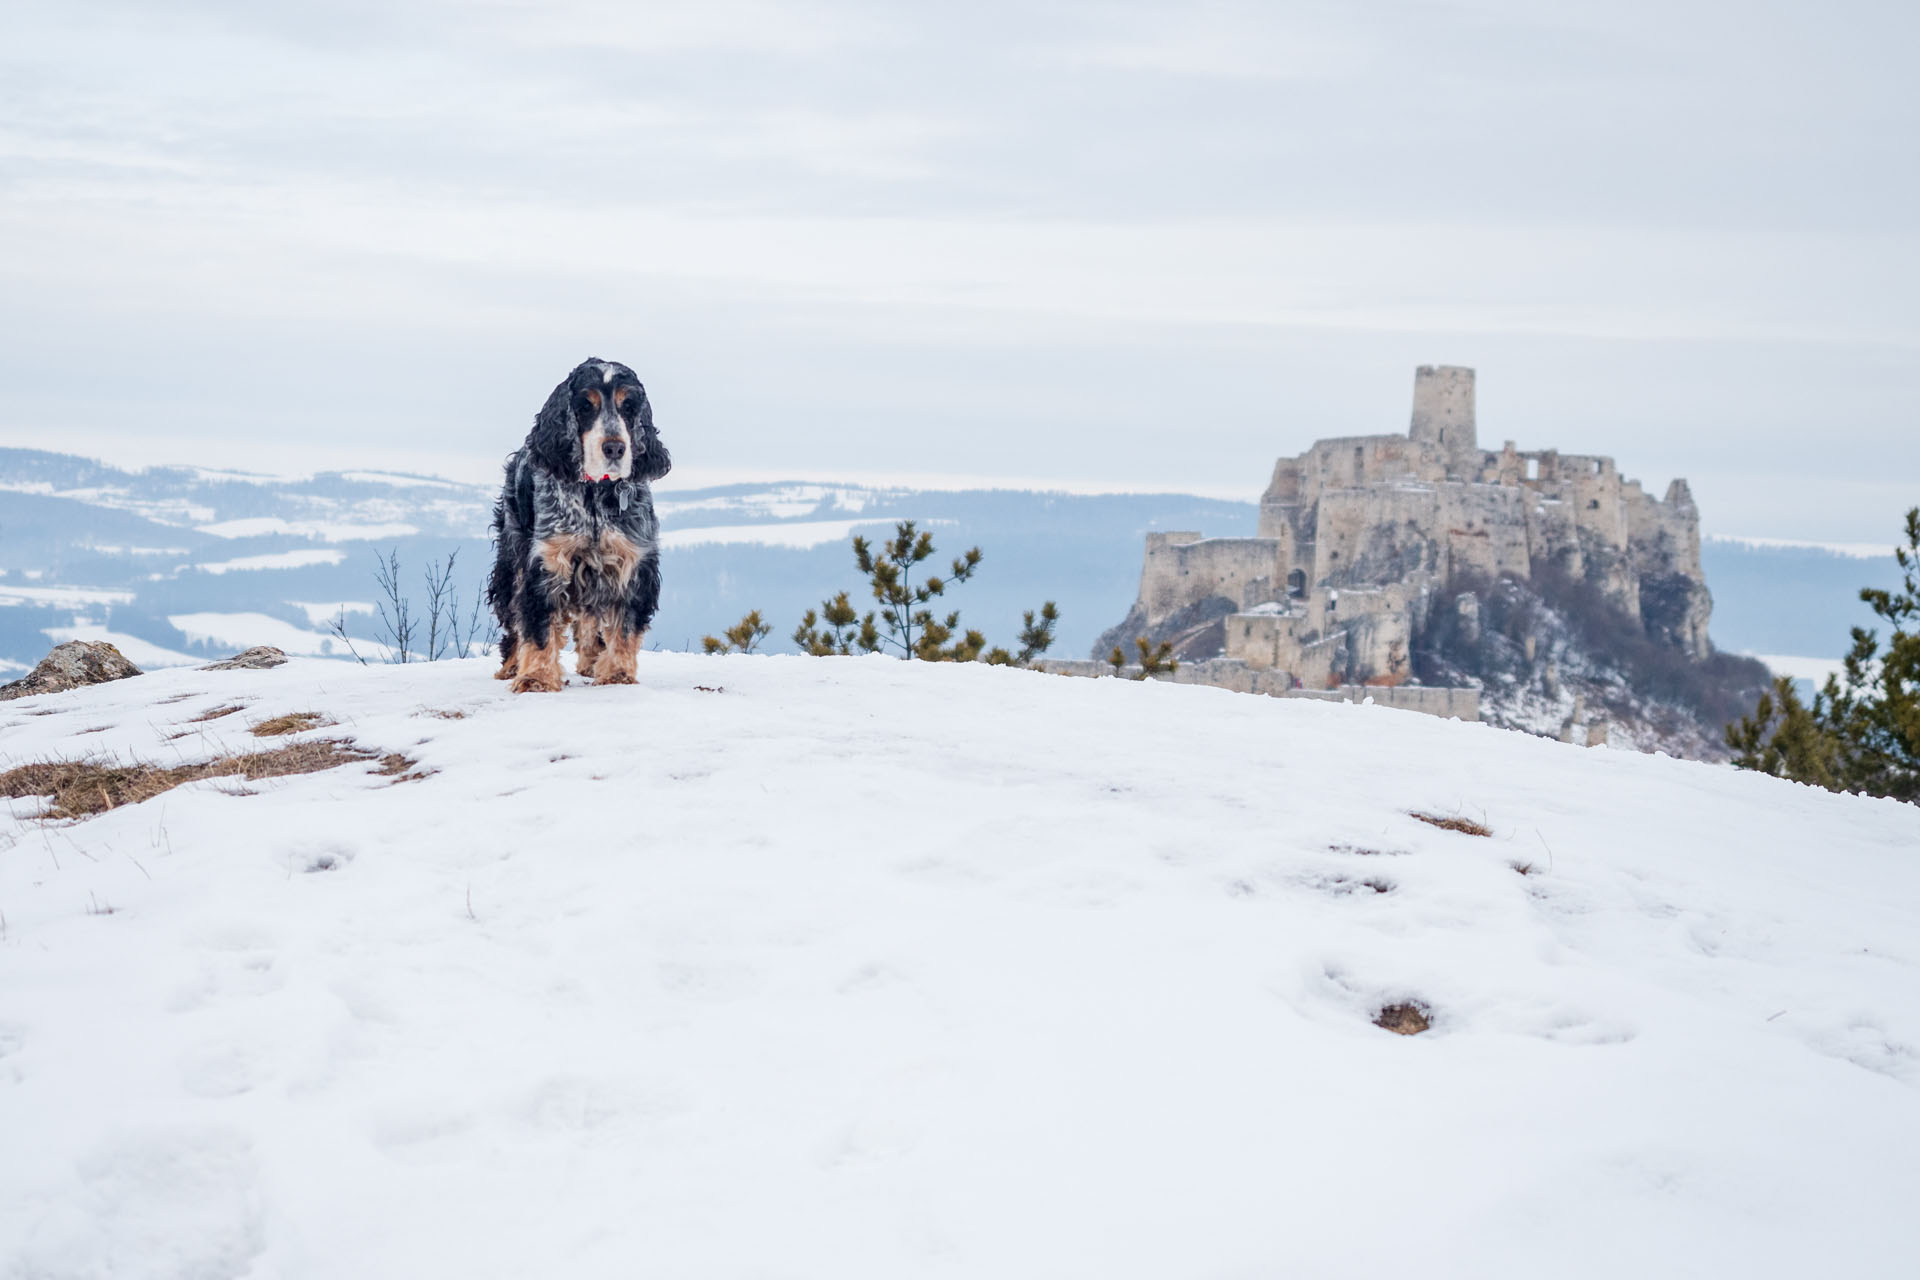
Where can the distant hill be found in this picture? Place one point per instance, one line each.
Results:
(177, 563)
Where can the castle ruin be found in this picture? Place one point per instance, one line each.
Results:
(1360, 536)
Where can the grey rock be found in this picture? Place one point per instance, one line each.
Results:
(258, 658)
(69, 666)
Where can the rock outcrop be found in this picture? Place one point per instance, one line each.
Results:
(258, 658)
(1362, 538)
(69, 666)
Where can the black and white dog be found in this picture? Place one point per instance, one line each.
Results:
(576, 542)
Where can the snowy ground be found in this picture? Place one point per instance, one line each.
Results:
(848, 968)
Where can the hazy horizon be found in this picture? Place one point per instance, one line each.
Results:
(1090, 246)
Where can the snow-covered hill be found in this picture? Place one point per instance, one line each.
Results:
(854, 968)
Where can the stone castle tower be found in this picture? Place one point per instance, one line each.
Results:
(1443, 414)
(1360, 534)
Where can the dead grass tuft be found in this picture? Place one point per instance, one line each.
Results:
(1465, 826)
(1524, 868)
(216, 713)
(441, 715)
(1406, 1019)
(401, 768)
(294, 722)
(83, 788)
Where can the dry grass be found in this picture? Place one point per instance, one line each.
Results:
(442, 715)
(1407, 1019)
(216, 713)
(1524, 868)
(400, 768)
(1465, 826)
(294, 722)
(83, 788)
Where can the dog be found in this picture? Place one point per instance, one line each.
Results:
(576, 542)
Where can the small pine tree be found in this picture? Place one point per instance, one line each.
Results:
(837, 628)
(1153, 661)
(1788, 739)
(1861, 733)
(912, 629)
(743, 636)
(1036, 637)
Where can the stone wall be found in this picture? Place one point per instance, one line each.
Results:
(1461, 704)
(1184, 568)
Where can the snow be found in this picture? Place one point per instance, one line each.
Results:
(779, 502)
(276, 560)
(141, 653)
(245, 630)
(855, 968)
(1852, 550)
(1795, 667)
(799, 533)
(236, 631)
(71, 596)
(138, 551)
(405, 480)
(322, 612)
(325, 530)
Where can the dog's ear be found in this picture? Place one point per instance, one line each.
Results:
(554, 436)
(652, 460)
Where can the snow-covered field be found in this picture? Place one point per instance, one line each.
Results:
(784, 967)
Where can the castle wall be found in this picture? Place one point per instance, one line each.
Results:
(1485, 529)
(1460, 704)
(1184, 568)
(1388, 535)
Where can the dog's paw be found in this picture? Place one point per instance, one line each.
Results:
(535, 684)
(507, 671)
(614, 677)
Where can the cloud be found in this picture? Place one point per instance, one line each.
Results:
(822, 219)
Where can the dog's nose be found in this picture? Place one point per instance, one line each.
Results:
(614, 449)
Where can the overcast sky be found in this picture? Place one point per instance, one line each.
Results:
(1093, 244)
